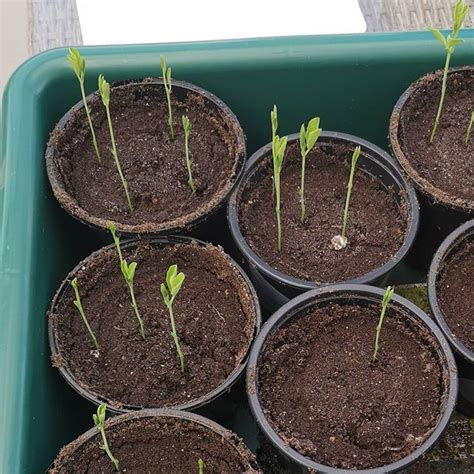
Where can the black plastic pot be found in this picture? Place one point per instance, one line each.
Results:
(228, 436)
(464, 356)
(440, 212)
(201, 224)
(207, 404)
(362, 294)
(275, 288)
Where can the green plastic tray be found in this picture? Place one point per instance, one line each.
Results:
(351, 81)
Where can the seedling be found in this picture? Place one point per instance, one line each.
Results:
(308, 138)
(469, 127)
(128, 272)
(459, 14)
(385, 301)
(340, 241)
(78, 305)
(278, 152)
(200, 466)
(104, 89)
(78, 64)
(166, 73)
(99, 422)
(174, 281)
(187, 130)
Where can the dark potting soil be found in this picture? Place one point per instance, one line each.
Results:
(455, 291)
(153, 165)
(158, 445)
(376, 227)
(326, 399)
(214, 315)
(447, 163)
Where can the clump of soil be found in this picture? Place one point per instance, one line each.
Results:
(326, 399)
(153, 165)
(158, 445)
(376, 228)
(455, 291)
(215, 319)
(446, 166)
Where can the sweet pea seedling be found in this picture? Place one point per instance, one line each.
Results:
(459, 15)
(340, 241)
(385, 301)
(78, 64)
(469, 127)
(278, 153)
(99, 422)
(174, 281)
(166, 73)
(200, 466)
(308, 138)
(187, 131)
(128, 272)
(104, 90)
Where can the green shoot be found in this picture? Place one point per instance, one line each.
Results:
(99, 422)
(308, 138)
(187, 130)
(200, 466)
(174, 280)
(469, 127)
(278, 152)
(385, 301)
(128, 272)
(104, 89)
(166, 73)
(78, 305)
(340, 241)
(459, 14)
(78, 64)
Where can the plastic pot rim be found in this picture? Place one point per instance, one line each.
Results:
(177, 225)
(434, 194)
(125, 408)
(383, 160)
(325, 293)
(451, 243)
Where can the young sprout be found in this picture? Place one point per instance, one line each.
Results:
(99, 422)
(385, 301)
(308, 138)
(174, 280)
(104, 89)
(278, 152)
(128, 272)
(340, 241)
(78, 64)
(187, 130)
(78, 305)
(469, 127)
(200, 466)
(166, 73)
(459, 14)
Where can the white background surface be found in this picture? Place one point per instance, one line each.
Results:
(152, 21)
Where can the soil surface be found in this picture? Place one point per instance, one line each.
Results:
(455, 291)
(214, 315)
(154, 445)
(447, 163)
(325, 397)
(153, 165)
(376, 225)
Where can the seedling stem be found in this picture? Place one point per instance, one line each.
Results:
(104, 89)
(78, 64)
(169, 291)
(469, 127)
(166, 73)
(99, 422)
(187, 131)
(385, 301)
(200, 466)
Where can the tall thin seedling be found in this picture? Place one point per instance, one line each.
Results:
(469, 127)
(99, 422)
(187, 131)
(166, 73)
(385, 301)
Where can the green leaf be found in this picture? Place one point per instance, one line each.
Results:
(125, 270)
(77, 62)
(186, 124)
(104, 90)
(302, 139)
(131, 271)
(387, 296)
(355, 156)
(313, 124)
(274, 120)
(164, 293)
(163, 64)
(177, 283)
(439, 36)
(282, 147)
(170, 274)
